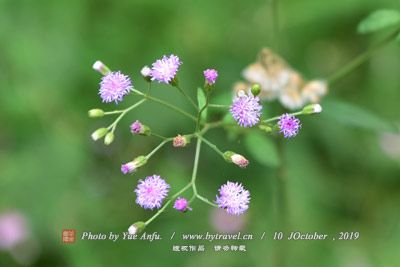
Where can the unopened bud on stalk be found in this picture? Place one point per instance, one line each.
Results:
(96, 113)
(265, 128)
(131, 166)
(138, 128)
(136, 228)
(255, 89)
(99, 133)
(100, 67)
(237, 159)
(146, 73)
(180, 141)
(109, 138)
(210, 77)
(312, 108)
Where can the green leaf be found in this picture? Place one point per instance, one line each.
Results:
(262, 149)
(398, 38)
(352, 115)
(201, 100)
(379, 20)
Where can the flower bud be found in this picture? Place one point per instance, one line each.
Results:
(210, 77)
(131, 166)
(237, 159)
(109, 138)
(256, 89)
(181, 204)
(136, 228)
(138, 128)
(146, 73)
(99, 133)
(96, 113)
(265, 128)
(312, 108)
(100, 67)
(180, 141)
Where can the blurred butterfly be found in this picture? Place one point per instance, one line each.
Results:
(278, 80)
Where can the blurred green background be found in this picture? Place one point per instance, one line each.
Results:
(339, 176)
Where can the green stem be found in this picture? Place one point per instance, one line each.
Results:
(113, 112)
(158, 147)
(162, 102)
(114, 124)
(213, 146)
(205, 200)
(275, 23)
(201, 111)
(187, 96)
(195, 165)
(278, 117)
(158, 136)
(356, 62)
(218, 106)
(148, 89)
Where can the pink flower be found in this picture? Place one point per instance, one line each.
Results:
(114, 86)
(289, 125)
(246, 109)
(234, 198)
(182, 204)
(151, 192)
(211, 76)
(165, 69)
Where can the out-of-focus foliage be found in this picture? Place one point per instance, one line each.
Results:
(379, 20)
(338, 177)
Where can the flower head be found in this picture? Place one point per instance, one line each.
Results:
(100, 67)
(239, 160)
(180, 141)
(233, 198)
(312, 109)
(136, 228)
(210, 75)
(289, 125)
(145, 71)
(181, 204)
(151, 192)
(128, 167)
(246, 109)
(136, 127)
(165, 69)
(114, 86)
(132, 166)
(235, 158)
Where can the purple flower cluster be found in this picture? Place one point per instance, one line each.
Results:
(181, 204)
(165, 69)
(233, 198)
(136, 127)
(114, 86)
(151, 192)
(289, 125)
(211, 76)
(246, 109)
